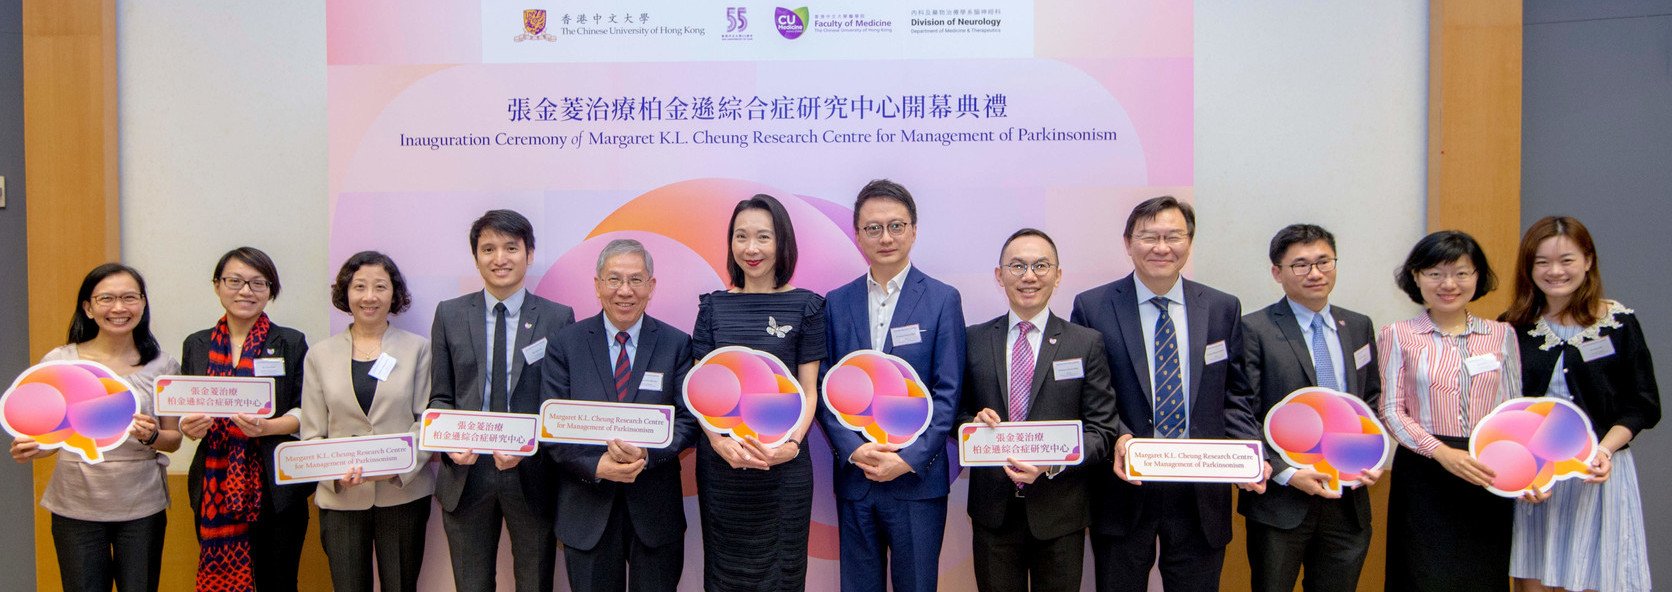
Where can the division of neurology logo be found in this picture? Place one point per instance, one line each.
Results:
(534, 26)
(791, 23)
(736, 19)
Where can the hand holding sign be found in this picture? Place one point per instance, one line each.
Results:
(1531, 443)
(1331, 432)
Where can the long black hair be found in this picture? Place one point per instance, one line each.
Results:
(83, 328)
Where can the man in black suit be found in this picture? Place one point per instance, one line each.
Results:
(621, 504)
(1029, 364)
(486, 350)
(1175, 357)
(1303, 341)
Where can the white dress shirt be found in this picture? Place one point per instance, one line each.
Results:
(1147, 315)
(1035, 337)
(882, 298)
(513, 312)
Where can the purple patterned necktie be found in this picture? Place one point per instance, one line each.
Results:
(1021, 372)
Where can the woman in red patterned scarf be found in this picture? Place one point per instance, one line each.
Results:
(250, 531)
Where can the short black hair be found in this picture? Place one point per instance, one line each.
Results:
(783, 234)
(1029, 232)
(506, 222)
(1298, 234)
(400, 298)
(254, 258)
(884, 189)
(83, 328)
(1154, 206)
(1440, 248)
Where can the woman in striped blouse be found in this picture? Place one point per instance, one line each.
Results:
(1443, 371)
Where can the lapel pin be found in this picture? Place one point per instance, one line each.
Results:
(528, 325)
(269, 351)
(1053, 341)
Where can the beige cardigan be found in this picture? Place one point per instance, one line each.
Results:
(330, 410)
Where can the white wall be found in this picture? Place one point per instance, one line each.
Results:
(1305, 111)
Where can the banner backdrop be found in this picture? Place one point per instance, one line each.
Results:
(650, 119)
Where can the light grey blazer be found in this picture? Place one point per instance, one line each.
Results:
(330, 410)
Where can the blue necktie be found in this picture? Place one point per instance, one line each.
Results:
(1320, 355)
(1169, 384)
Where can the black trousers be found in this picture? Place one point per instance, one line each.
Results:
(620, 562)
(1010, 558)
(93, 555)
(1188, 563)
(276, 547)
(1329, 542)
(393, 534)
(493, 497)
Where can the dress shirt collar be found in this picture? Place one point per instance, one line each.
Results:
(1175, 295)
(1304, 315)
(513, 303)
(1038, 320)
(889, 288)
(632, 332)
(1425, 324)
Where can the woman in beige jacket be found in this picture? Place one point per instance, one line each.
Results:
(371, 379)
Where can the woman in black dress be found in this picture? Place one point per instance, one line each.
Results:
(757, 502)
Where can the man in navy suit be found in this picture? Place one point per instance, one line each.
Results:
(1175, 357)
(486, 354)
(1303, 341)
(891, 501)
(621, 504)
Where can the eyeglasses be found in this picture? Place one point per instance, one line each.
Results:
(235, 283)
(1435, 276)
(1174, 239)
(109, 300)
(1303, 269)
(896, 228)
(615, 283)
(1039, 268)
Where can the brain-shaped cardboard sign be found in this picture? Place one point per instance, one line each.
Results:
(79, 406)
(1531, 443)
(1328, 431)
(745, 392)
(880, 396)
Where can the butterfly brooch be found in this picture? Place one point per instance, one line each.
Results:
(776, 330)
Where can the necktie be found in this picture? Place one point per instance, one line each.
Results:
(1320, 355)
(498, 395)
(1021, 372)
(623, 367)
(1169, 384)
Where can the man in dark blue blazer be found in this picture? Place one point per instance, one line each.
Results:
(487, 350)
(891, 501)
(1175, 357)
(1299, 521)
(621, 504)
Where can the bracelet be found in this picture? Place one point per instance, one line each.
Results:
(153, 439)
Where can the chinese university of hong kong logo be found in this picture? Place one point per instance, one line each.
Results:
(736, 21)
(791, 23)
(534, 26)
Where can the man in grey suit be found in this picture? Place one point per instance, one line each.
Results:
(1303, 341)
(621, 504)
(486, 354)
(1030, 521)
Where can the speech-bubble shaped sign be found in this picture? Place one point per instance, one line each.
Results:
(1530, 443)
(1328, 431)
(879, 396)
(80, 406)
(742, 392)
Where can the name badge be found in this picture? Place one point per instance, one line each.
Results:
(1481, 364)
(269, 366)
(1068, 369)
(906, 335)
(1214, 353)
(1596, 349)
(1361, 356)
(652, 382)
(535, 351)
(381, 368)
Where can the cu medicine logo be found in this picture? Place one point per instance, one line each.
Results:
(534, 27)
(791, 23)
